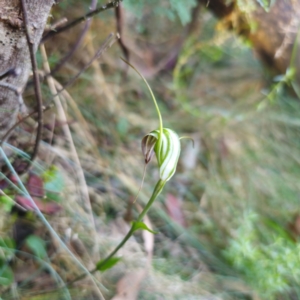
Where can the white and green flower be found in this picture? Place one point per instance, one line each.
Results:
(167, 151)
(164, 142)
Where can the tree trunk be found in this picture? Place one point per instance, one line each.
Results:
(272, 34)
(14, 52)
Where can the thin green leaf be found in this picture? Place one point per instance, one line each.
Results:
(140, 225)
(104, 265)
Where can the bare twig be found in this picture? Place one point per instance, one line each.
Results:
(119, 19)
(56, 25)
(37, 86)
(81, 19)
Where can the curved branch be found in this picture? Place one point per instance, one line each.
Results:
(37, 85)
(81, 19)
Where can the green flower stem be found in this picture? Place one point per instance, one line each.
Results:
(154, 100)
(157, 190)
(125, 239)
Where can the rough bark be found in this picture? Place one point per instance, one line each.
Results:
(272, 34)
(14, 52)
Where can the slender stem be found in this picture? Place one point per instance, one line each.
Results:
(155, 103)
(122, 243)
(125, 239)
(157, 190)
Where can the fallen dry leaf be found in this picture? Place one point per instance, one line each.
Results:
(35, 186)
(49, 208)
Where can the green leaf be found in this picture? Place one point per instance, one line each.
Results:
(6, 275)
(140, 225)
(37, 245)
(104, 265)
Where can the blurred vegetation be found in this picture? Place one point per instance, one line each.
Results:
(238, 188)
(170, 9)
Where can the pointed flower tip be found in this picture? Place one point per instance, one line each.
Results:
(168, 154)
(148, 143)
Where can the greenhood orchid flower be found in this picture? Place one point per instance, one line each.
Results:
(167, 152)
(164, 142)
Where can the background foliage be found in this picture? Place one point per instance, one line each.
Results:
(170, 9)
